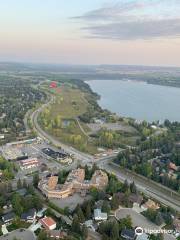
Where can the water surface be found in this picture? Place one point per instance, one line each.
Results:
(138, 100)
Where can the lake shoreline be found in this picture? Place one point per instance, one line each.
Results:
(136, 99)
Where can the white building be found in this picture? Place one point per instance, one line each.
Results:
(29, 163)
(99, 216)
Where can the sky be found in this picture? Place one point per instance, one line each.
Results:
(134, 32)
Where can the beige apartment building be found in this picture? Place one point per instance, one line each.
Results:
(75, 182)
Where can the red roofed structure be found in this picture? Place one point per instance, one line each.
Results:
(53, 85)
(48, 223)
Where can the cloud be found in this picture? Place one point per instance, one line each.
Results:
(134, 19)
(136, 30)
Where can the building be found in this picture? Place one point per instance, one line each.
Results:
(41, 212)
(176, 224)
(12, 153)
(48, 223)
(150, 204)
(143, 236)
(56, 234)
(8, 218)
(29, 163)
(75, 182)
(173, 166)
(128, 234)
(99, 216)
(29, 216)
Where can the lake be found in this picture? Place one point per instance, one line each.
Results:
(138, 100)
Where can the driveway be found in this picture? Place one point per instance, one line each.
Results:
(140, 221)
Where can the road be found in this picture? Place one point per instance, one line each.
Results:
(79, 155)
(159, 193)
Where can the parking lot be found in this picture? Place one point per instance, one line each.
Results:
(70, 202)
(34, 150)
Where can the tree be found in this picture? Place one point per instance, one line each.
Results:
(9, 187)
(42, 235)
(76, 224)
(88, 210)
(84, 231)
(17, 204)
(133, 188)
(24, 183)
(106, 207)
(159, 219)
(114, 202)
(19, 184)
(80, 214)
(37, 202)
(125, 186)
(35, 179)
(115, 231)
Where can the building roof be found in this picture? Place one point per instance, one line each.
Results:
(151, 204)
(172, 166)
(128, 233)
(29, 161)
(144, 236)
(27, 215)
(47, 222)
(57, 234)
(8, 217)
(99, 215)
(135, 198)
(176, 224)
(22, 191)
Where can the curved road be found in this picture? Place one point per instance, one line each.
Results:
(161, 194)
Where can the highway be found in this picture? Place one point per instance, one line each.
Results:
(148, 187)
(160, 193)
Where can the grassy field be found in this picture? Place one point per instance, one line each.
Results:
(69, 103)
(60, 119)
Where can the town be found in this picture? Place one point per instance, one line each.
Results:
(50, 196)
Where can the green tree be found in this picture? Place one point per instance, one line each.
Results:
(76, 224)
(80, 214)
(115, 231)
(35, 179)
(19, 184)
(133, 188)
(114, 202)
(88, 210)
(17, 204)
(106, 207)
(43, 235)
(84, 231)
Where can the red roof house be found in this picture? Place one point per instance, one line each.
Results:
(48, 223)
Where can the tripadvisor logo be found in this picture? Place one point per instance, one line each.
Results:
(139, 231)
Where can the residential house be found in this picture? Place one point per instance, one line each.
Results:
(57, 234)
(48, 223)
(176, 224)
(8, 218)
(99, 216)
(143, 236)
(150, 204)
(173, 166)
(135, 199)
(41, 212)
(29, 216)
(128, 234)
